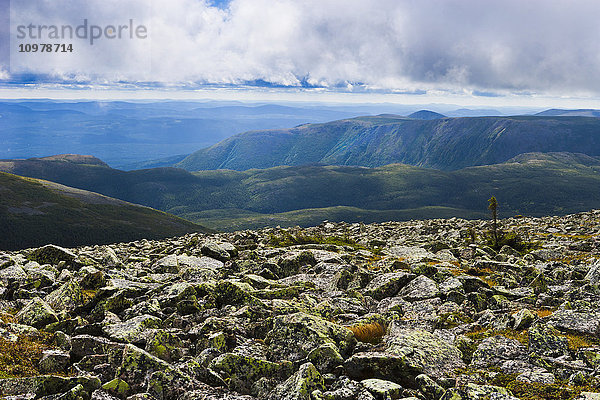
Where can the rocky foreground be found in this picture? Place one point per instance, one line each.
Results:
(414, 310)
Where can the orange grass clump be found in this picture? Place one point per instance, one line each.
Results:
(543, 313)
(369, 333)
(8, 318)
(578, 341)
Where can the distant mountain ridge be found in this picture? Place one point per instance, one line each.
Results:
(570, 113)
(445, 144)
(126, 133)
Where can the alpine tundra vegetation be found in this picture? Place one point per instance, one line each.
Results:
(399, 310)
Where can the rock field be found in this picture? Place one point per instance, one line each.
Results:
(401, 310)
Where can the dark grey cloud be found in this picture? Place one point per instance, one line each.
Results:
(523, 45)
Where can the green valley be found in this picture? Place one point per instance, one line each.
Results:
(530, 184)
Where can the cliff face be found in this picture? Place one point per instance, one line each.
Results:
(421, 309)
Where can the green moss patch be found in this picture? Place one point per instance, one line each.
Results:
(539, 391)
(20, 359)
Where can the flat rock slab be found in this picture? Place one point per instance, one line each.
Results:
(568, 320)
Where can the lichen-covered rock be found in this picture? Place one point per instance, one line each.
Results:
(424, 351)
(420, 288)
(536, 377)
(168, 264)
(589, 396)
(430, 388)
(300, 385)
(66, 298)
(54, 361)
(47, 385)
(344, 388)
(523, 319)
(91, 278)
(476, 392)
(497, 349)
(325, 358)
(591, 356)
(52, 254)
(40, 277)
(291, 262)
(570, 320)
(87, 345)
(294, 336)
(76, 393)
(472, 283)
(164, 345)
(388, 285)
(175, 293)
(13, 273)
(412, 254)
(409, 353)
(545, 341)
(382, 390)
(117, 387)
(199, 269)
(218, 251)
(109, 257)
(132, 331)
(37, 314)
(148, 307)
(234, 292)
(137, 370)
(242, 372)
(451, 285)
(380, 365)
(593, 275)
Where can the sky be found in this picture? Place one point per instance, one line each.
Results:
(463, 51)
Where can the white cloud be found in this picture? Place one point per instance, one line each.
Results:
(545, 46)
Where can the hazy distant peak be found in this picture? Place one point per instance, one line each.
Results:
(557, 112)
(426, 115)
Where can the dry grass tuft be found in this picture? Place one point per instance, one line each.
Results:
(369, 333)
(578, 341)
(484, 333)
(543, 313)
(8, 318)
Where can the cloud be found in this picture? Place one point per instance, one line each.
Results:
(495, 46)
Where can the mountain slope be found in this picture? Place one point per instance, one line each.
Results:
(34, 213)
(446, 144)
(533, 184)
